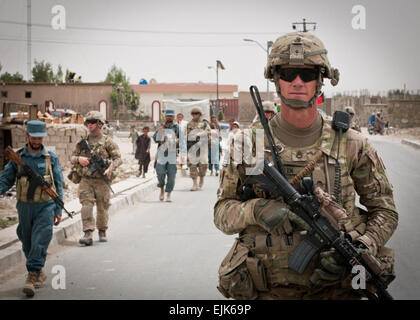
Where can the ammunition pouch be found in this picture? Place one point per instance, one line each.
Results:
(74, 176)
(235, 280)
(22, 188)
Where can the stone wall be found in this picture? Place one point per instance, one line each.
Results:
(404, 113)
(61, 139)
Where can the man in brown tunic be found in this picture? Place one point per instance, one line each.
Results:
(143, 152)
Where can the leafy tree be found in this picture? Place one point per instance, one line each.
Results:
(122, 94)
(42, 72)
(7, 77)
(59, 75)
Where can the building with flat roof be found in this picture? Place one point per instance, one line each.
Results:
(80, 97)
(157, 92)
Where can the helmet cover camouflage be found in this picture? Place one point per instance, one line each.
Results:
(300, 48)
(268, 106)
(349, 109)
(94, 115)
(196, 110)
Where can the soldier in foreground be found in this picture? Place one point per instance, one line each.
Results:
(38, 215)
(94, 187)
(198, 159)
(257, 266)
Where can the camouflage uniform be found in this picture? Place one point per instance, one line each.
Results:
(199, 167)
(92, 187)
(362, 172)
(354, 120)
(256, 267)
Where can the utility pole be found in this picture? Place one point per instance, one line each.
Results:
(304, 23)
(269, 44)
(220, 65)
(29, 39)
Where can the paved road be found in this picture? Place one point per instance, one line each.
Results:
(157, 250)
(172, 250)
(403, 167)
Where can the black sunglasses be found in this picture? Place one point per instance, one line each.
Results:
(290, 74)
(91, 121)
(195, 112)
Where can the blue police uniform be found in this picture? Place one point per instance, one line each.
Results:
(36, 218)
(166, 159)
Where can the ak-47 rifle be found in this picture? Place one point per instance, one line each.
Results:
(322, 235)
(96, 163)
(35, 180)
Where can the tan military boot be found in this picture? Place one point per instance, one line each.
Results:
(29, 288)
(102, 236)
(39, 281)
(87, 238)
(195, 185)
(168, 197)
(162, 194)
(201, 182)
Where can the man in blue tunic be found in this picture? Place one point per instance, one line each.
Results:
(167, 138)
(36, 216)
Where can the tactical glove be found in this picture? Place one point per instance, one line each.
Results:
(331, 270)
(274, 214)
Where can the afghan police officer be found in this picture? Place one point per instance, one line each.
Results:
(165, 163)
(257, 265)
(354, 121)
(93, 187)
(198, 139)
(36, 216)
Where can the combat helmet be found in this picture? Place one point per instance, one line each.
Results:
(349, 110)
(269, 106)
(95, 115)
(300, 48)
(196, 110)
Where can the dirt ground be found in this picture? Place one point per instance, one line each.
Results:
(129, 168)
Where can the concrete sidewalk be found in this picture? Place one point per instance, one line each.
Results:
(412, 143)
(127, 193)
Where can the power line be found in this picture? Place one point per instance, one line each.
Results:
(123, 44)
(40, 25)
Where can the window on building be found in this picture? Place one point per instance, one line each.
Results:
(4, 94)
(28, 94)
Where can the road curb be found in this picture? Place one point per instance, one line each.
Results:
(411, 143)
(12, 255)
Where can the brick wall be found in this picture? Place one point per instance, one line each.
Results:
(404, 113)
(62, 138)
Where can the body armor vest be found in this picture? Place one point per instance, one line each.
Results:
(275, 251)
(98, 148)
(22, 184)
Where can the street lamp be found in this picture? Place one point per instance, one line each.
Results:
(219, 65)
(269, 44)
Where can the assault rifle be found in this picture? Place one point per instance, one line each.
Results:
(96, 163)
(35, 180)
(322, 235)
